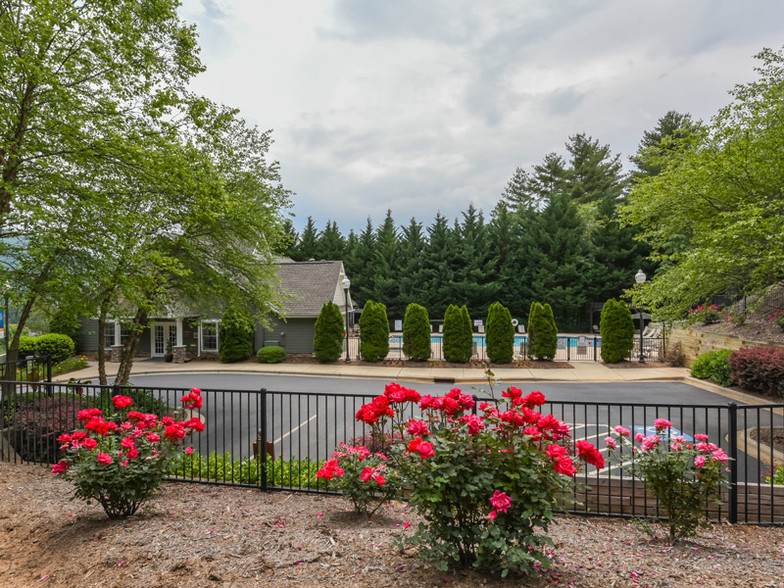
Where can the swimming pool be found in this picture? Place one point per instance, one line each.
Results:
(564, 341)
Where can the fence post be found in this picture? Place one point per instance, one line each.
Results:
(594, 348)
(49, 368)
(568, 348)
(262, 443)
(733, 447)
(476, 399)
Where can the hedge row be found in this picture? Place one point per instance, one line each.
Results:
(758, 369)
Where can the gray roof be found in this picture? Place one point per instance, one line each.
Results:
(310, 285)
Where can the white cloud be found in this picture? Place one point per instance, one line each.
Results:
(426, 106)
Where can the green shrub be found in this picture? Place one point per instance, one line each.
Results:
(467, 332)
(542, 332)
(288, 473)
(500, 334)
(374, 332)
(70, 364)
(454, 349)
(58, 347)
(236, 336)
(329, 330)
(617, 331)
(65, 322)
(714, 366)
(271, 354)
(416, 333)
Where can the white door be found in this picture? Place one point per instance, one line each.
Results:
(164, 338)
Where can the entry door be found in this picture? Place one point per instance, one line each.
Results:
(163, 334)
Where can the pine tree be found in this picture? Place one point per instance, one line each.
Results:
(437, 269)
(330, 244)
(306, 246)
(329, 333)
(416, 333)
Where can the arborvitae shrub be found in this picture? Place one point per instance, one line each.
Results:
(65, 322)
(467, 332)
(617, 329)
(454, 336)
(271, 354)
(328, 337)
(713, 366)
(373, 332)
(759, 370)
(500, 334)
(542, 332)
(236, 336)
(416, 333)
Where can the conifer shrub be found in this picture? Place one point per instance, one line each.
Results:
(329, 330)
(374, 332)
(542, 332)
(416, 333)
(271, 354)
(500, 334)
(236, 336)
(617, 330)
(467, 332)
(454, 336)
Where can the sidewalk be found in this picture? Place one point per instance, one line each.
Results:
(580, 372)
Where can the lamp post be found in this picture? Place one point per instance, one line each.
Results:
(639, 277)
(6, 290)
(346, 285)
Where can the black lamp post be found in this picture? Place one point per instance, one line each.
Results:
(346, 285)
(6, 289)
(639, 277)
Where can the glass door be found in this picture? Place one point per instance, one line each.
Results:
(164, 338)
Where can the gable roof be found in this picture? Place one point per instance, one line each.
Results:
(310, 285)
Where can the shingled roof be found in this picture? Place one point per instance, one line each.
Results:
(311, 284)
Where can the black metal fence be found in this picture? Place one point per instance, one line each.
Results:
(570, 348)
(278, 440)
(32, 369)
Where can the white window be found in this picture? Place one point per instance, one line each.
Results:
(108, 334)
(208, 335)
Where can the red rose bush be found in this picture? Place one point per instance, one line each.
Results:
(486, 479)
(120, 461)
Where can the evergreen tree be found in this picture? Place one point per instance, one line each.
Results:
(330, 244)
(437, 269)
(454, 346)
(671, 133)
(386, 286)
(617, 329)
(534, 190)
(287, 245)
(467, 331)
(374, 332)
(236, 335)
(360, 264)
(410, 265)
(306, 246)
(328, 336)
(500, 334)
(416, 333)
(542, 332)
(594, 174)
(471, 283)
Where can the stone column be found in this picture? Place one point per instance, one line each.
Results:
(179, 354)
(115, 353)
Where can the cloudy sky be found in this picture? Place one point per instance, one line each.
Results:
(421, 106)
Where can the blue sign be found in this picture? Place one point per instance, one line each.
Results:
(2, 319)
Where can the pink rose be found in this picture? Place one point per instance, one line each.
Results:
(500, 501)
(104, 458)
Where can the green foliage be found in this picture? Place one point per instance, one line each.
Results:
(712, 215)
(714, 366)
(281, 473)
(705, 315)
(759, 370)
(65, 322)
(329, 330)
(542, 332)
(373, 332)
(416, 333)
(236, 336)
(685, 478)
(455, 348)
(58, 347)
(500, 334)
(617, 331)
(70, 364)
(271, 354)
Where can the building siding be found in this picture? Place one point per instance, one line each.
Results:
(294, 335)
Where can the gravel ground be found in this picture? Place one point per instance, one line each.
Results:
(199, 536)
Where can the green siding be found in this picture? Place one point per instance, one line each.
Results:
(295, 335)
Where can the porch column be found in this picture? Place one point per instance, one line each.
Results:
(179, 352)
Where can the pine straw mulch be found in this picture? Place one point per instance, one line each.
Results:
(208, 536)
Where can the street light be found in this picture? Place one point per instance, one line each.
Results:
(639, 277)
(346, 285)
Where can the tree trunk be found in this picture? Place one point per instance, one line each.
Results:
(102, 346)
(129, 348)
(13, 348)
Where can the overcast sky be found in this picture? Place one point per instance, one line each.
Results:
(422, 106)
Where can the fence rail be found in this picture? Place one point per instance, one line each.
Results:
(570, 348)
(277, 440)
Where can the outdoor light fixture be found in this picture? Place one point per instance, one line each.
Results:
(639, 277)
(346, 285)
